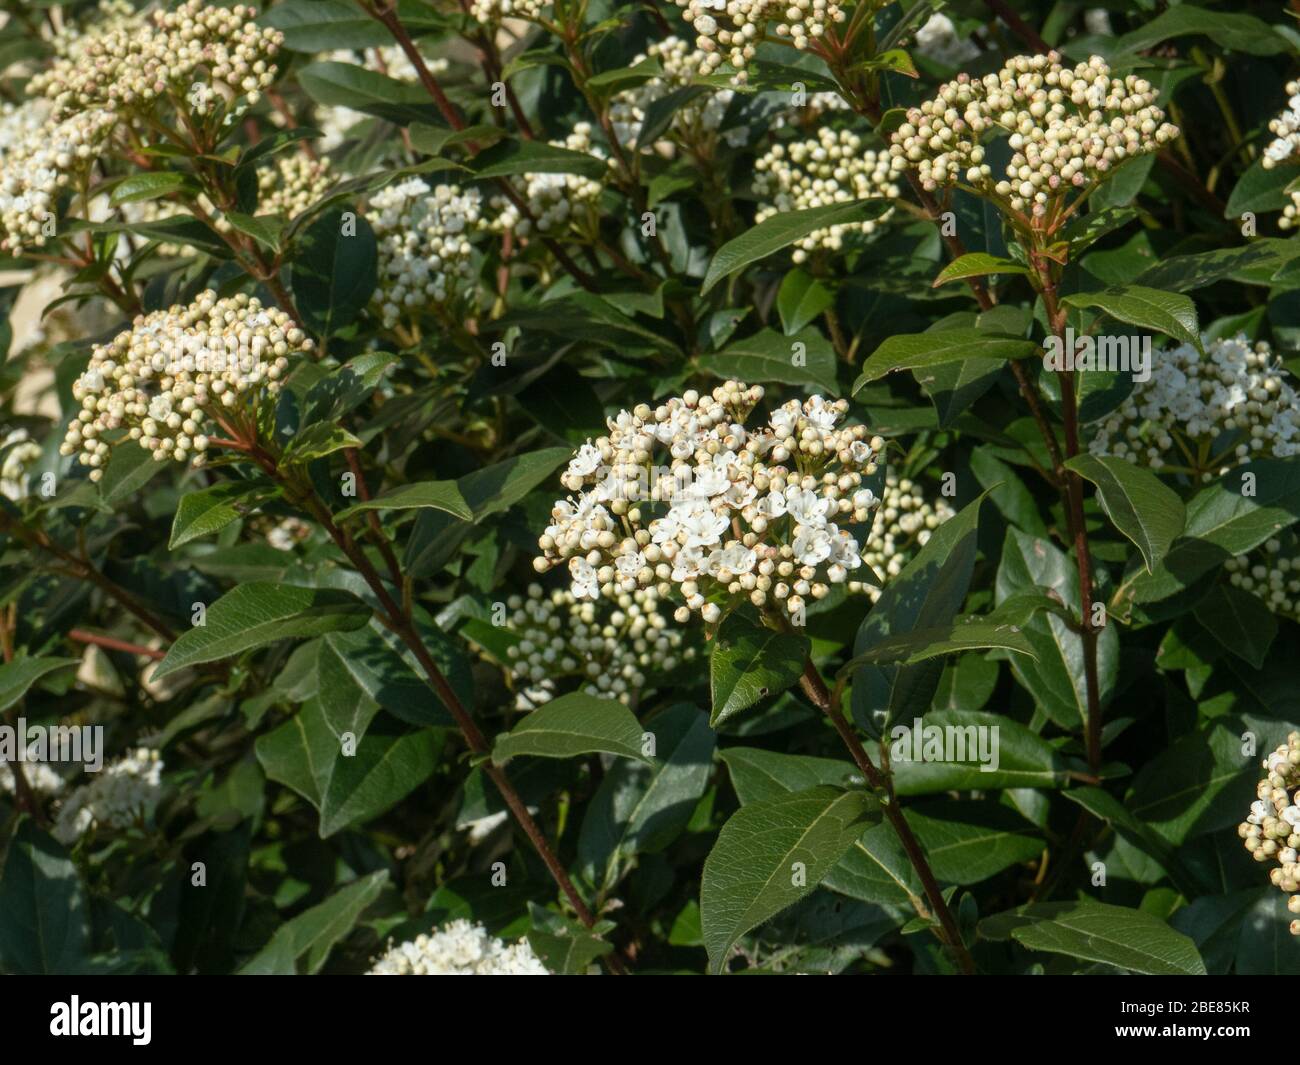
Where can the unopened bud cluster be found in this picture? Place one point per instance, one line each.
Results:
(1206, 415)
(694, 122)
(611, 648)
(20, 453)
(459, 948)
(203, 59)
(1069, 127)
(1272, 828)
(425, 255)
(1285, 129)
(682, 496)
(292, 184)
(831, 168)
(200, 60)
(122, 795)
(39, 158)
(1291, 212)
(1272, 573)
(556, 202)
(496, 10)
(731, 30)
(175, 371)
(904, 521)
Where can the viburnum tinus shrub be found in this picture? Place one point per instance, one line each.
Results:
(592, 487)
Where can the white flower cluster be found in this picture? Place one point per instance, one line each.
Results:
(174, 370)
(695, 121)
(291, 184)
(1206, 415)
(731, 30)
(20, 451)
(1096, 20)
(556, 201)
(1283, 148)
(831, 168)
(459, 948)
(904, 522)
(121, 795)
(610, 650)
(937, 40)
(1068, 128)
(288, 533)
(497, 10)
(1285, 129)
(424, 245)
(734, 513)
(39, 157)
(40, 778)
(1271, 572)
(204, 59)
(1272, 828)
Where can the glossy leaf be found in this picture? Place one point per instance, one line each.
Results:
(262, 612)
(573, 725)
(750, 663)
(772, 853)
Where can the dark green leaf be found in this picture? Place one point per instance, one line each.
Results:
(349, 779)
(310, 936)
(1112, 935)
(44, 915)
(800, 299)
(750, 663)
(1239, 621)
(209, 510)
(18, 676)
(333, 271)
(913, 351)
(782, 230)
(806, 358)
(440, 495)
(573, 725)
(772, 853)
(1137, 501)
(1147, 308)
(977, 264)
(262, 612)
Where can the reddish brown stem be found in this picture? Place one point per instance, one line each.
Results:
(84, 569)
(114, 644)
(402, 625)
(1073, 484)
(494, 70)
(387, 16)
(815, 688)
(381, 541)
(1069, 484)
(282, 108)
